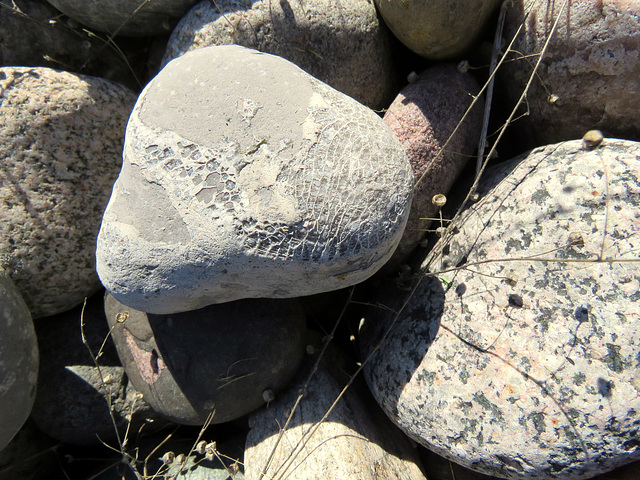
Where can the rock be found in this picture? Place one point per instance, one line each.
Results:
(522, 363)
(423, 116)
(590, 75)
(440, 29)
(72, 403)
(126, 17)
(17, 458)
(341, 43)
(246, 177)
(60, 149)
(18, 361)
(352, 442)
(221, 359)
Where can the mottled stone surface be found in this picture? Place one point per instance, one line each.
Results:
(126, 17)
(437, 29)
(61, 140)
(590, 75)
(525, 367)
(18, 360)
(244, 176)
(222, 357)
(352, 442)
(423, 116)
(341, 43)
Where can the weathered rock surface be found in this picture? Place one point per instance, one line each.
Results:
(243, 177)
(437, 29)
(524, 362)
(341, 43)
(352, 442)
(126, 17)
(18, 361)
(423, 116)
(61, 137)
(72, 402)
(220, 358)
(590, 75)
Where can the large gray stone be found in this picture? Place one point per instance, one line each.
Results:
(244, 176)
(523, 362)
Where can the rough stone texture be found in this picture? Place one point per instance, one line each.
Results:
(126, 17)
(423, 116)
(526, 369)
(353, 441)
(221, 357)
(71, 402)
(18, 360)
(437, 29)
(243, 177)
(61, 140)
(341, 42)
(592, 68)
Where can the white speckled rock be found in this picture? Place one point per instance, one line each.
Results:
(529, 368)
(61, 139)
(18, 361)
(341, 42)
(245, 177)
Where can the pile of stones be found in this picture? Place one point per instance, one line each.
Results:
(227, 251)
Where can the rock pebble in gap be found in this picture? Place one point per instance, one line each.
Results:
(244, 176)
(61, 139)
(439, 29)
(341, 43)
(354, 441)
(18, 360)
(220, 358)
(590, 76)
(126, 17)
(526, 369)
(423, 116)
(73, 393)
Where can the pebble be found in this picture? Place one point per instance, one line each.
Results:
(61, 139)
(277, 186)
(526, 368)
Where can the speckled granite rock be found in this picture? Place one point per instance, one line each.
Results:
(126, 17)
(18, 360)
(223, 357)
(341, 42)
(246, 177)
(352, 442)
(423, 116)
(526, 369)
(60, 150)
(71, 402)
(590, 76)
(437, 29)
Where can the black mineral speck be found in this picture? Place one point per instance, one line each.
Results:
(605, 387)
(582, 313)
(515, 300)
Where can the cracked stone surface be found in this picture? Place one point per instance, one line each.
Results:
(243, 177)
(523, 367)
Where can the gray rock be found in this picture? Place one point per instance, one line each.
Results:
(73, 398)
(18, 361)
(60, 150)
(590, 75)
(341, 42)
(221, 358)
(437, 29)
(246, 177)
(352, 442)
(126, 17)
(522, 363)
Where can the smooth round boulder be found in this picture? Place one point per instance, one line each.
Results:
(18, 361)
(245, 177)
(61, 139)
(517, 354)
(217, 360)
